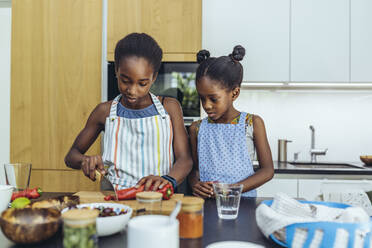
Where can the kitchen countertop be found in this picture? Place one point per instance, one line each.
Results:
(287, 168)
(244, 228)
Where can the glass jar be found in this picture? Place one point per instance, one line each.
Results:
(148, 202)
(191, 217)
(79, 228)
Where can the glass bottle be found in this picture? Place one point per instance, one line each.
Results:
(191, 217)
(148, 202)
(79, 228)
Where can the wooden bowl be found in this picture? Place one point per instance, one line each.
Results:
(367, 159)
(27, 225)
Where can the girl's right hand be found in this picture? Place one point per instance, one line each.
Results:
(203, 189)
(92, 163)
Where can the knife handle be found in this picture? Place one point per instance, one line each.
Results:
(98, 176)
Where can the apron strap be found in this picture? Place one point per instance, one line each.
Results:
(114, 105)
(159, 107)
(243, 115)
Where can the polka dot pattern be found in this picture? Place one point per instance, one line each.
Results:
(223, 153)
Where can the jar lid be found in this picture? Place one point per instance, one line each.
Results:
(192, 203)
(80, 214)
(149, 195)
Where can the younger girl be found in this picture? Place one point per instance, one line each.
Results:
(144, 135)
(223, 144)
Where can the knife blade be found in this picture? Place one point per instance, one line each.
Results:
(99, 177)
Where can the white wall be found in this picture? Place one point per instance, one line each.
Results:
(5, 31)
(342, 121)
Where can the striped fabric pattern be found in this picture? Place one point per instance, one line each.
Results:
(135, 148)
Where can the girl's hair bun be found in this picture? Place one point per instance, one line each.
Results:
(202, 55)
(238, 53)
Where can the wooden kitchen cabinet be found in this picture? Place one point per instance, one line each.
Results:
(62, 181)
(55, 84)
(174, 24)
(320, 40)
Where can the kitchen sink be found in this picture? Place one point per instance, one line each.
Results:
(325, 165)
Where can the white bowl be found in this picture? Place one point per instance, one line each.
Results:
(5, 196)
(155, 231)
(111, 224)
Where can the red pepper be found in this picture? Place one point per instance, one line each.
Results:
(125, 194)
(29, 193)
(167, 191)
(18, 194)
(130, 193)
(33, 193)
(109, 197)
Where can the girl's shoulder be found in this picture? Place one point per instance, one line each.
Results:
(170, 104)
(257, 121)
(102, 110)
(104, 107)
(195, 126)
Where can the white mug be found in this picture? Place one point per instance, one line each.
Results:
(155, 231)
(5, 196)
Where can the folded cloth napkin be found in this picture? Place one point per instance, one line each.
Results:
(354, 197)
(285, 211)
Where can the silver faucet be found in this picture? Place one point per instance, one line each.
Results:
(314, 152)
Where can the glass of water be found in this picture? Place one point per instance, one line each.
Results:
(18, 175)
(227, 199)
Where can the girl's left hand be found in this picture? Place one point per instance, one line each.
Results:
(157, 182)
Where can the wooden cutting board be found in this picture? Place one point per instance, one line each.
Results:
(97, 196)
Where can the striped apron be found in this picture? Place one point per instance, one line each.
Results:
(134, 148)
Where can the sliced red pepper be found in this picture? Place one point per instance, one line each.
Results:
(109, 197)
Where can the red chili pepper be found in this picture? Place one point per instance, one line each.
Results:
(18, 194)
(34, 193)
(29, 193)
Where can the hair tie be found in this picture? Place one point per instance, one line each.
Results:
(233, 59)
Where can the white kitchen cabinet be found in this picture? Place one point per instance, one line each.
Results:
(320, 40)
(260, 26)
(276, 185)
(361, 40)
(310, 189)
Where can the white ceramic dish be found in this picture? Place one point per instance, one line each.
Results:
(234, 244)
(111, 224)
(5, 196)
(155, 231)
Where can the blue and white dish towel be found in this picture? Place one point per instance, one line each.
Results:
(284, 211)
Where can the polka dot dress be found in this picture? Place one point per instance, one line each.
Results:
(223, 153)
